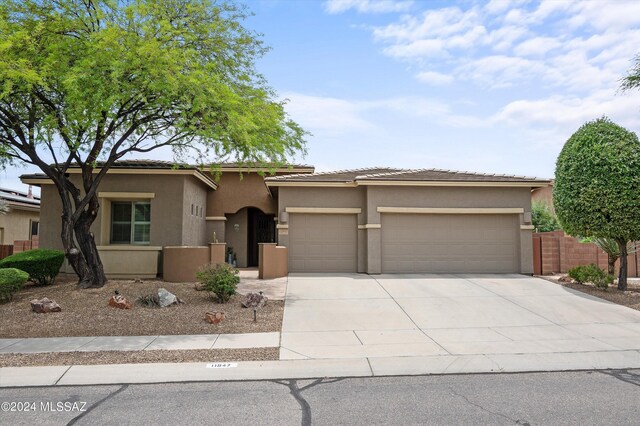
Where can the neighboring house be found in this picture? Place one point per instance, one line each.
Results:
(371, 220)
(23, 219)
(544, 194)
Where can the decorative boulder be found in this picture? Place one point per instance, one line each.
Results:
(119, 302)
(214, 317)
(255, 300)
(44, 306)
(167, 298)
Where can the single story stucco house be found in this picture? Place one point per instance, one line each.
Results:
(378, 220)
(22, 220)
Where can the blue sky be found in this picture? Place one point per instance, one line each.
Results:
(493, 86)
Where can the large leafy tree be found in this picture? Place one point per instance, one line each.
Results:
(632, 80)
(597, 187)
(84, 82)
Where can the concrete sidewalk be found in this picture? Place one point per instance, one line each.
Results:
(314, 368)
(140, 343)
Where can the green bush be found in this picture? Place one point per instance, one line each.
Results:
(42, 265)
(11, 282)
(542, 218)
(220, 280)
(591, 274)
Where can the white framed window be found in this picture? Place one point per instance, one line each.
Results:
(130, 222)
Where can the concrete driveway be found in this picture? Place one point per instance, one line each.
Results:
(356, 316)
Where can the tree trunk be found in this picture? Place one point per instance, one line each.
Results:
(77, 239)
(611, 264)
(94, 276)
(622, 278)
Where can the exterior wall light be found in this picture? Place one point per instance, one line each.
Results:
(236, 227)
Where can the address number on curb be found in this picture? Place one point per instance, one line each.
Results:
(222, 365)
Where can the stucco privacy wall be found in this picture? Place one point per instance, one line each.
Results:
(369, 198)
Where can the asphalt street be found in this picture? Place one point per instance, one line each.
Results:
(588, 397)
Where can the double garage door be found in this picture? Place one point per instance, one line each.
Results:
(421, 243)
(454, 243)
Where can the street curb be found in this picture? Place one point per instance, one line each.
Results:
(111, 374)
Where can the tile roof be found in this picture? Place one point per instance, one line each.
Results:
(335, 176)
(405, 175)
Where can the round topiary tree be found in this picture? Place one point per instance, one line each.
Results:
(597, 186)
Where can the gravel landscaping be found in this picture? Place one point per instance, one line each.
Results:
(86, 312)
(138, 357)
(629, 298)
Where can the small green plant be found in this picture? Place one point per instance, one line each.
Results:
(220, 280)
(591, 274)
(542, 218)
(42, 265)
(11, 282)
(150, 300)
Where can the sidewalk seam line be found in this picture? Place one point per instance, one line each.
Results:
(214, 341)
(82, 346)
(149, 344)
(63, 374)
(370, 368)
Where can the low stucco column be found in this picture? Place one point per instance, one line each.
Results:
(217, 253)
(273, 261)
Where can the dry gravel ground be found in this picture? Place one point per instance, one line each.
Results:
(138, 357)
(629, 298)
(86, 313)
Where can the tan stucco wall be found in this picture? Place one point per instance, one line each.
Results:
(273, 261)
(50, 210)
(368, 199)
(238, 239)
(194, 225)
(182, 263)
(235, 193)
(16, 225)
(171, 220)
(135, 262)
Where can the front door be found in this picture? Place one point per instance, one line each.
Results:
(262, 229)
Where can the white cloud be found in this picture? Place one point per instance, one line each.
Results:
(537, 46)
(499, 71)
(434, 78)
(367, 6)
(573, 45)
(327, 115)
(565, 113)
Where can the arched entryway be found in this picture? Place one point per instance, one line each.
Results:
(245, 229)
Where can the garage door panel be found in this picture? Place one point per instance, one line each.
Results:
(322, 243)
(450, 243)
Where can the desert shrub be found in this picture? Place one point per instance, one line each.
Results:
(220, 280)
(42, 265)
(591, 274)
(11, 281)
(150, 300)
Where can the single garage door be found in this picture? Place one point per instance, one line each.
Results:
(450, 243)
(323, 243)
